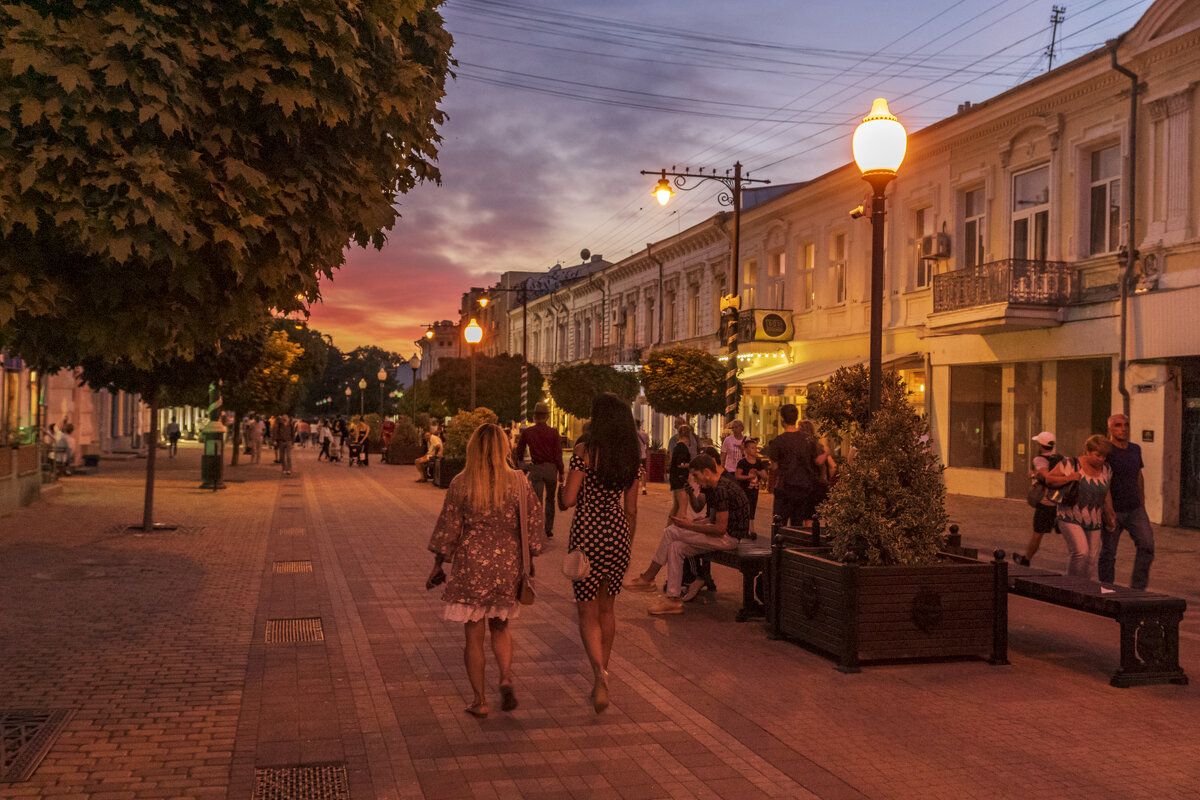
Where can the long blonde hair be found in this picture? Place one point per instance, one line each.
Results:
(488, 471)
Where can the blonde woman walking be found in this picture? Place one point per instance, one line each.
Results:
(479, 532)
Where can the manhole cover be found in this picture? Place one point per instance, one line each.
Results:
(287, 631)
(25, 739)
(291, 567)
(323, 782)
(292, 531)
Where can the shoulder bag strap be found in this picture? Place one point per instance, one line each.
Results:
(522, 502)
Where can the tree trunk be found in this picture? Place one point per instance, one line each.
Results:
(237, 438)
(151, 457)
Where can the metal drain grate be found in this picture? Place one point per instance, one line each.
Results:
(292, 531)
(320, 782)
(290, 631)
(25, 739)
(291, 567)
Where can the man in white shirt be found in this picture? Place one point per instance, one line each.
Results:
(731, 448)
(433, 449)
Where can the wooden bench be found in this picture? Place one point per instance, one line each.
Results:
(1149, 621)
(752, 557)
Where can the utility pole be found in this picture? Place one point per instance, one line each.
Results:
(1057, 15)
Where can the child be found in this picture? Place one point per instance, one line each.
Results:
(751, 473)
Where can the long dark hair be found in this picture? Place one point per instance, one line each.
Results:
(612, 443)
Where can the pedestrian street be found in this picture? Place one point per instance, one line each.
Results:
(281, 640)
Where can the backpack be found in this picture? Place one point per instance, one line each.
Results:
(1037, 488)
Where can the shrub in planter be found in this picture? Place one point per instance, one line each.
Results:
(406, 445)
(459, 431)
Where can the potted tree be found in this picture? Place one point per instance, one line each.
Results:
(883, 590)
(406, 446)
(454, 449)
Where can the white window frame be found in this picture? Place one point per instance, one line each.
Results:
(839, 244)
(974, 247)
(1111, 184)
(808, 263)
(923, 225)
(1029, 215)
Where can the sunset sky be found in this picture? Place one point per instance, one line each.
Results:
(556, 106)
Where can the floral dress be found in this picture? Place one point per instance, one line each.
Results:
(600, 529)
(484, 549)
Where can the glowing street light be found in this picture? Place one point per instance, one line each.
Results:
(879, 145)
(414, 364)
(663, 191)
(474, 335)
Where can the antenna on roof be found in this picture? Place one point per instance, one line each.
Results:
(1057, 15)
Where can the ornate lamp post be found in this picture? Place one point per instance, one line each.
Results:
(879, 144)
(730, 303)
(474, 335)
(348, 393)
(362, 387)
(414, 364)
(382, 375)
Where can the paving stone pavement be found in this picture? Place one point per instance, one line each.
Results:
(159, 644)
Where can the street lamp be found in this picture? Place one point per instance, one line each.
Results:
(414, 364)
(524, 290)
(382, 375)
(731, 302)
(474, 335)
(879, 144)
(362, 387)
(348, 393)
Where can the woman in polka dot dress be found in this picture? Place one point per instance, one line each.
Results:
(602, 484)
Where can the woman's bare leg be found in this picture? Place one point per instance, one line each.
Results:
(474, 659)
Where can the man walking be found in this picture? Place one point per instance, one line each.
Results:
(173, 433)
(1128, 491)
(545, 454)
(256, 431)
(796, 457)
(284, 434)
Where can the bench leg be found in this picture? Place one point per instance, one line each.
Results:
(1149, 650)
(751, 608)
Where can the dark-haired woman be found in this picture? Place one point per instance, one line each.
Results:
(602, 483)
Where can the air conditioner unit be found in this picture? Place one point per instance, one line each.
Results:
(620, 316)
(935, 245)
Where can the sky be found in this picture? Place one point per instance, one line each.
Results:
(555, 107)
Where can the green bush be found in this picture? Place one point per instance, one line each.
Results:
(683, 380)
(375, 423)
(889, 505)
(575, 387)
(459, 431)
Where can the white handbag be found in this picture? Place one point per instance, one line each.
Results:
(575, 565)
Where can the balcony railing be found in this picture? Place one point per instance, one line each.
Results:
(1013, 280)
(615, 354)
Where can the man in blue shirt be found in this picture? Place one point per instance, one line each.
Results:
(1128, 490)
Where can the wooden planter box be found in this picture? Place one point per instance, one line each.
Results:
(857, 614)
(656, 466)
(400, 453)
(444, 471)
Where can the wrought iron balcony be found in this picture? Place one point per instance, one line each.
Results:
(1013, 280)
(616, 354)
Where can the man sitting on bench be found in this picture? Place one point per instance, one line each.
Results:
(728, 521)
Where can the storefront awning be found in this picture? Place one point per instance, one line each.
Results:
(797, 376)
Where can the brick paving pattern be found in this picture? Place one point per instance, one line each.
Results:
(159, 644)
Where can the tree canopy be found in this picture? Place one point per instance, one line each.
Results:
(497, 384)
(575, 387)
(170, 170)
(683, 380)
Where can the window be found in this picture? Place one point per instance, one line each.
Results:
(976, 415)
(923, 267)
(1105, 221)
(837, 270)
(749, 282)
(1031, 214)
(670, 317)
(776, 269)
(807, 297)
(694, 310)
(974, 229)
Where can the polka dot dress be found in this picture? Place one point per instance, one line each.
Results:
(600, 530)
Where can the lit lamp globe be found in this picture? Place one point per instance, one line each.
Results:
(473, 333)
(348, 392)
(415, 362)
(362, 383)
(879, 144)
(663, 191)
(429, 334)
(382, 375)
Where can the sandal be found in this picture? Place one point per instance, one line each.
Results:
(477, 710)
(508, 699)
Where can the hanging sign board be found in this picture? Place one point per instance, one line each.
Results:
(767, 325)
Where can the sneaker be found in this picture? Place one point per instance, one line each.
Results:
(693, 589)
(1020, 560)
(667, 605)
(639, 584)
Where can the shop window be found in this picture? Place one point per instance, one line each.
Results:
(1105, 200)
(975, 415)
(1031, 214)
